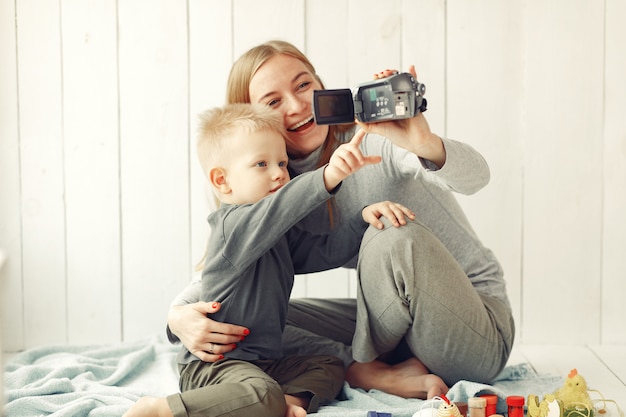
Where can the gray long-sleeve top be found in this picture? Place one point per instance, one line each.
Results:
(253, 252)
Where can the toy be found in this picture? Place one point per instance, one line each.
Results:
(571, 400)
(446, 409)
(574, 392)
(549, 407)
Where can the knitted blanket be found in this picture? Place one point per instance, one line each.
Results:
(105, 380)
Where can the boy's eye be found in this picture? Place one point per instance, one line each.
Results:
(261, 164)
(282, 164)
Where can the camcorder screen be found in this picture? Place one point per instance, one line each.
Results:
(333, 106)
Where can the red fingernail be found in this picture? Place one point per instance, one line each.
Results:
(243, 338)
(215, 304)
(234, 345)
(246, 332)
(221, 357)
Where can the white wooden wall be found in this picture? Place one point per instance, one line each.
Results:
(103, 205)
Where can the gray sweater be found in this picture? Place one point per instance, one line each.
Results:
(253, 252)
(428, 191)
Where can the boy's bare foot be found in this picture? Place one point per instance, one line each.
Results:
(296, 406)
(149, 407)
(408, 379)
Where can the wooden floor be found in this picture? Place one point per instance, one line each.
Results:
(604, 367)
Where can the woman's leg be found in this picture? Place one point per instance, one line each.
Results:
(320, 327)
(410, 287)
(397, 372)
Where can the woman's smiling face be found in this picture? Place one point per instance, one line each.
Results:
(284, 83)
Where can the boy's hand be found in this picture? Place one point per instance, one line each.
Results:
(396, 213)
(346, 160)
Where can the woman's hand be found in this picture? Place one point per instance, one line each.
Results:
(394, 212)
(411, 134)
(205, 338)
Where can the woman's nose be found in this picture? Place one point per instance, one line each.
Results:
(295, 104)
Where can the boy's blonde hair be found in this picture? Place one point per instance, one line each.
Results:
(218, 124)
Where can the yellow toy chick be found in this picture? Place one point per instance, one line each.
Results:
(574, 391)
(549, 407)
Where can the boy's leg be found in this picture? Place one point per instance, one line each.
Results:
(227, 388)
(318, 378)
(410, 287)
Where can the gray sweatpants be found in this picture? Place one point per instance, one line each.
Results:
(233, 387)
(413, 299)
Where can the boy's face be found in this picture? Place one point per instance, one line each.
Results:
(255, 167)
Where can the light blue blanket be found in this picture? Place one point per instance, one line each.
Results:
(105, 380)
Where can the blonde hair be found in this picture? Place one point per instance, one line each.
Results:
(219, 123)
(242, 71)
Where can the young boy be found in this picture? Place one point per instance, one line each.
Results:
(254, 250)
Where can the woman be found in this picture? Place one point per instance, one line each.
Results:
(432, 307)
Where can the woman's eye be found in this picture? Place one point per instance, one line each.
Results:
(303, 85)
(273, 102)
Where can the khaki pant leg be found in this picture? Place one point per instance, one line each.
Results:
(227, 388)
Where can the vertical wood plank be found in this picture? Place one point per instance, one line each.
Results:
(374, 37)
(154, 147)
(90, 102)
(255, 22)
(484, 79)
(562, 131)
(42, 172)
(11, 300)
(614, 226)
(327, 41)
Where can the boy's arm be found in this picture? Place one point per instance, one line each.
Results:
(346, 160)
(313, 253)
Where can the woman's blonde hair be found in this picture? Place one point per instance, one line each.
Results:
(242, 71)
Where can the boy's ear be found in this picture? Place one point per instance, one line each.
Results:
(217, 178)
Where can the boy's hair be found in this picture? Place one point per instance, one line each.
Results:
(218, 124)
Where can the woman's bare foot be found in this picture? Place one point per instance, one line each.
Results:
(295, 406)
(408, 379)
(149, 407)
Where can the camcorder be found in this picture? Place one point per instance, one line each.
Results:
(399, 96)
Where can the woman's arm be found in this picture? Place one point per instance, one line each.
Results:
(412, 134)
(188, 323)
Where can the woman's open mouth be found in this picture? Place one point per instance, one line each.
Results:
(301, 125)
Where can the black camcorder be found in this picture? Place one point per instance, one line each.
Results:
(399, 96)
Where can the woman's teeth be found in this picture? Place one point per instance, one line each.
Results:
(299, 125)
